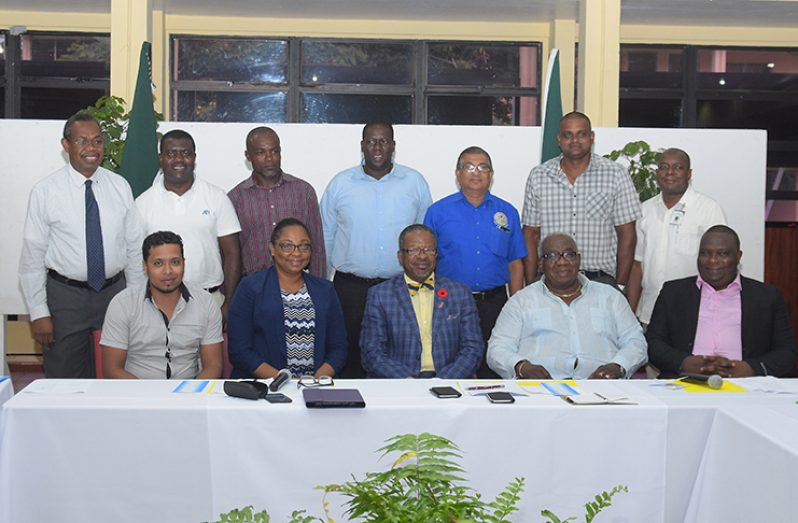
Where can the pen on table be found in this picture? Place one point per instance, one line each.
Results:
(485, 387)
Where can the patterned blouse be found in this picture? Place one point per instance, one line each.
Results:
(300, 328)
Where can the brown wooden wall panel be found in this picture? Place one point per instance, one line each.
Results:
(781, 267)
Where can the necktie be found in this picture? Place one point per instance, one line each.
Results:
(414, 287)
(95, 258)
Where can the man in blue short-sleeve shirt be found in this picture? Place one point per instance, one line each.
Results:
(480, 242)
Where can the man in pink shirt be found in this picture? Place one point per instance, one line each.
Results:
(720, 322)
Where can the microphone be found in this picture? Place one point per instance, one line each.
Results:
(281, 379)
(713, 381)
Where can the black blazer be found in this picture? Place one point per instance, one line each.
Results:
(768, 342)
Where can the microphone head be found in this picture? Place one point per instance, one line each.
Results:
(715, 381)
(283, 377)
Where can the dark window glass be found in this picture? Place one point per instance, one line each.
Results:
(651, 67)
(2, 102)
(350, 108)
(56, 103)
(782, 186)
(778, 116)
(65, 56)
(340, 81)
(231, 60)
(485, 65)
(2, 56)
(356, 63)
(650, 112)
(771, 70)
(205, 106)
(482, 110)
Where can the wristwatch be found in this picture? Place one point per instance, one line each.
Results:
(623, 371)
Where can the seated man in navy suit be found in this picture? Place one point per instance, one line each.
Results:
(720, 322)
(419, 325)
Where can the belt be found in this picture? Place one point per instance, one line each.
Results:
(597, 274)
(213, 289)
(81, 284)
(484, 295)
(359, 279)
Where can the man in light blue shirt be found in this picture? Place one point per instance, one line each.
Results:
(363, 210)
(565, 326)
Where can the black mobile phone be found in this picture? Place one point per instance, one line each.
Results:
(277, 397)
(445, 392)
(500, 397)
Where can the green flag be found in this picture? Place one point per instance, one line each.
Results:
(140, 160)
(552, 109)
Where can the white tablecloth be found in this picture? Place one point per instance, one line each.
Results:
(136, 451)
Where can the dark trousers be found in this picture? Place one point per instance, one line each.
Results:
(489, 305)
(75, 313)
(352, 292)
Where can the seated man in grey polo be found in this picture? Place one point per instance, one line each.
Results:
(164, 328)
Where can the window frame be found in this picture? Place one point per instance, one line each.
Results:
(419, 90)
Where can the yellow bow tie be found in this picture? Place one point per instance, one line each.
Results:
(414, 287)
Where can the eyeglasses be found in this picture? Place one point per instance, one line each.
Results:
(288, 247)
(311, 381)
(553, 257)
(181, 153)
(82, 142)
(481, 168)
(415, 251)
(381, 141)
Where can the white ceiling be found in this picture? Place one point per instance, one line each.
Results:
(757, 13)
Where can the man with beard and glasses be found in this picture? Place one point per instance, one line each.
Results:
(669, 232)
(419, 324)
(165, 328)
(363, 210)
(565, 325)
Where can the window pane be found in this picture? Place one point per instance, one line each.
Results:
(740, 69)
(505, 65)
(651, 67)
(649, 112)
(231, 60)
(355, 108)
(56, 103)
(356, 63)
(483, 110)
(204, 106)
(782, 179)
(2, 55)
(778, 117)
(65, 56)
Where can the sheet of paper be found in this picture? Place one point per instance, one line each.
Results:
(695, 387)
(191, 386)
(593, 398)
(58, 387)
(552, 387)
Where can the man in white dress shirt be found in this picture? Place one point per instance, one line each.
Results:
(669, 232)
(80, 244)
(566, 326)
(201, 213)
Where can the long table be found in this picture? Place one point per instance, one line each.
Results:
(138, 451)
